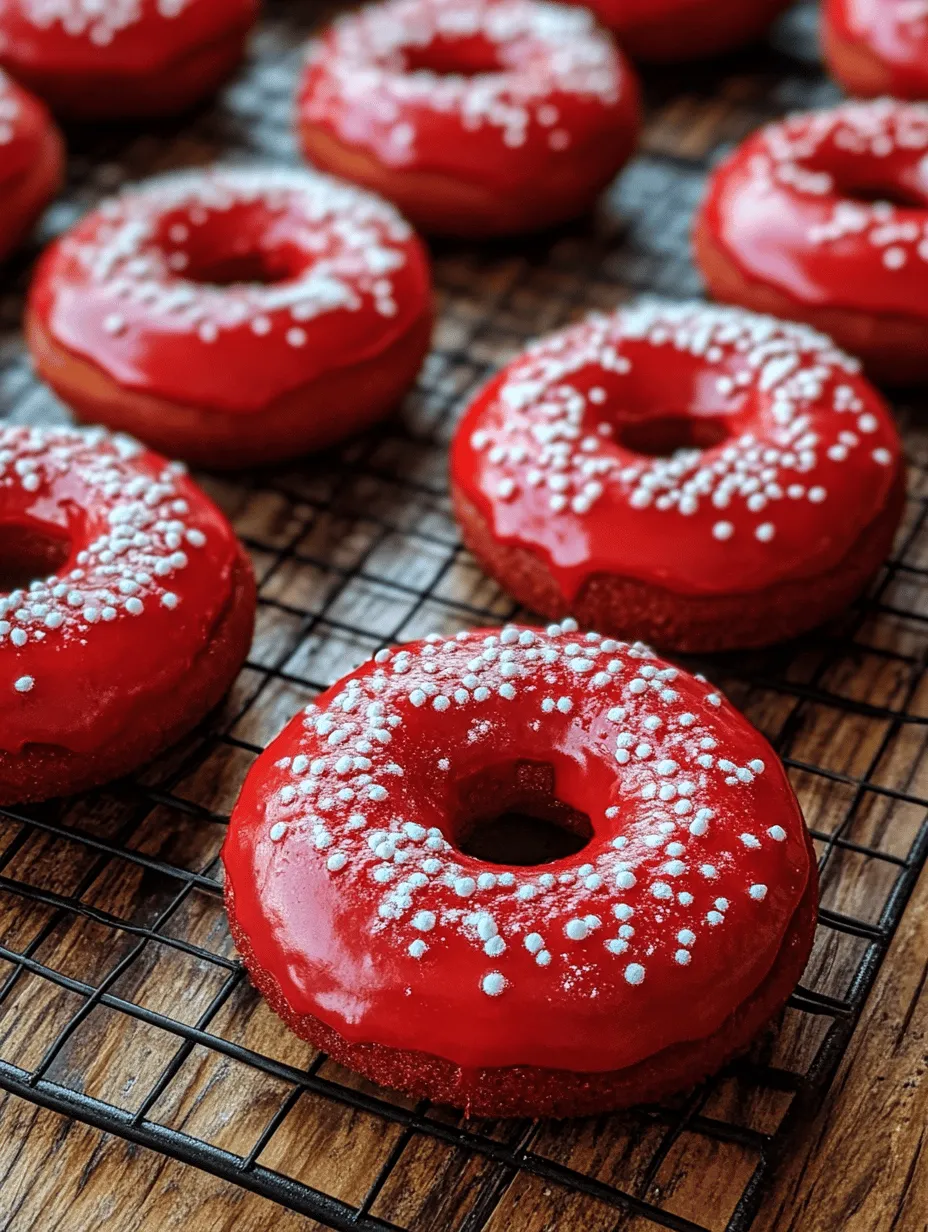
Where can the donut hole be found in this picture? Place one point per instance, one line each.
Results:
(663, 436)
(509, 814)
(464, 57)
(900, 195)
(256, 268)
(30, 553)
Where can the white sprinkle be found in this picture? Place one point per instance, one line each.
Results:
(493, 984)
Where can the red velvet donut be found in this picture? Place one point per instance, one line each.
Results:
(673, 30)
(232, 317)
(477, 117)
(96, 59)
(31, 162)
(556, 989)
(824, 218)
(126, 608)
(703, 477)
(878, 47)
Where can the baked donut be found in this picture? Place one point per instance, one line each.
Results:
(102, 59)
(31, 162)
(233, 316)
(877, 47)
(126, 608)
(823, 218)
(702, 477)
(477, 117)
(366, 912)
(675, 30)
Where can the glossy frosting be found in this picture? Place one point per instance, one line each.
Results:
(346, 880)
(129, 288)
(894, 31)
(797, 207)
(626, 17)
(24, 125)
(807, 457)
(147, 577)
(492, 91)
(115, 36)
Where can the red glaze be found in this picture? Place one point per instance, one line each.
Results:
(31, 162)
(486, 117)
(147, 573)
(777, 455)
(152, 291)
(878, 47)
(123, 57)
(796, 214)
(354, 901)
(670, 30)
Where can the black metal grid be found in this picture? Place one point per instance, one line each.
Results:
(121, 1001)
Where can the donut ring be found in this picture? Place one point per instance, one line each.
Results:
(126, 608)
(508, 990)
(31, 163)
(233, 316)
(123, 58)
(801, 222)
(662, 31)
(479, 118)
(877, 47)
(708, 478)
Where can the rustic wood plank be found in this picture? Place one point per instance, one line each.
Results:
(60, 1176)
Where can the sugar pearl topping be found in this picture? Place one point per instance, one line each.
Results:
(509, 74)
(130, 36)
(659, 908)
(803, 457)
(320, 273)
(98, 21)
(146, 572)
(787, 207)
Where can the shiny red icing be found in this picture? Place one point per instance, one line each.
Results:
(349, 886)
(24, 125)
(893, 32)
(777, 454)
(144, 575)
(831, 208)
(494, 92)
(113, 36)
(228, 288)
(629, 19)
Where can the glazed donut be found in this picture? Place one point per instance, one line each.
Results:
(233, 317)
(706, 478)
(364, 916)
(823, 218)
(674, 30)
(477, 117)
(126, 608)
(100, 59)
(31, 162)
(878, 47)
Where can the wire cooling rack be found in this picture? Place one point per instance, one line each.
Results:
(122, 1002)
